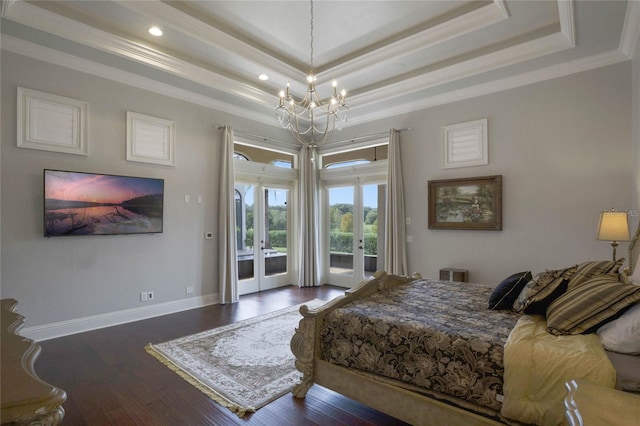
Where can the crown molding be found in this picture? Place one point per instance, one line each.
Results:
(631, 29)
(494, 12)
(55, 57)
(567, 21)
(456, 27)
(69, 61)
(58, 25)
(470, 21)
(501, 58)
(500, 4)
(53, 23)
(548, 73)
(6, 5)
(215, 37)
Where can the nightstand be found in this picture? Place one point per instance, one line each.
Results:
(452, 274)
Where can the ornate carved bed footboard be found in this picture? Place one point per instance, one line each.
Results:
(382, 394)
(305, 343)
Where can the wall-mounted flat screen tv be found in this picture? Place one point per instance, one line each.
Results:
(77, 203)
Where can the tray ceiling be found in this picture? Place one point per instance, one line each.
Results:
(392, 57)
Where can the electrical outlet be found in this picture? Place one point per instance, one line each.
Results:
(189, 289)
(143, 296)
(150, 295)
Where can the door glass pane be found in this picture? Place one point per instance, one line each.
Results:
(244, 230)
(341, 230)
(275, 231)
(373, 209)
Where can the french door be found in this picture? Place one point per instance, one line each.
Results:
(354, 237)
(263, 222)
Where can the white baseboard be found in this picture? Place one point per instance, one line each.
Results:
(94, 322)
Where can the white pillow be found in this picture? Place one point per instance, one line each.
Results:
(623, 334)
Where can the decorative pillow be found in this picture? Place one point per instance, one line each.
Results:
(588, 270)
(543, 289)
(591, 305)
(623, 334)
(508, 290)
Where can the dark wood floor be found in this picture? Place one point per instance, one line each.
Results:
(111, 380)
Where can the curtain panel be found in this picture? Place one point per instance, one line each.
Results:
(308, 238)
(227, 245)
(395, 246)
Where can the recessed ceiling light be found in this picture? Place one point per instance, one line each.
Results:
(263, 77)
(155, 31)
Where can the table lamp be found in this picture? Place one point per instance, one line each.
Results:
(614, 227)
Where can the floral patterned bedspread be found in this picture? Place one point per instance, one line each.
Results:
(436, 335)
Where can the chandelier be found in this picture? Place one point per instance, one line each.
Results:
(312, 120)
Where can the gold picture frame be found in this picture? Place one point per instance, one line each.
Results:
(466, 203)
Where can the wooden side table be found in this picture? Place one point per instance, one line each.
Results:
(26, 399)
(452, 274)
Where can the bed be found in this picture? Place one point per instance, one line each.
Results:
(430, 352)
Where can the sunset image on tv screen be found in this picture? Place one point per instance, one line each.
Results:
(78, 203)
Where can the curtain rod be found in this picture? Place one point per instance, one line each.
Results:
(373, 135)
(253, 135)
(357, 138)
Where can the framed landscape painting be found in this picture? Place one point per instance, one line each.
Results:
(466, 203)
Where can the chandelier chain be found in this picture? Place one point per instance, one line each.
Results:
(311, 36)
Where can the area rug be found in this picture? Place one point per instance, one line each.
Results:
(242, 366)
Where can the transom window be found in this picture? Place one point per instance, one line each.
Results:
(346, 164)
(355, 157)
(241, 157)
(282, 163)
(260, 155)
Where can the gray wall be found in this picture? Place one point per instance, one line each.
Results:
(636, 126)
(635, 206)
(63, 278)
(564, 150)
(563, 147)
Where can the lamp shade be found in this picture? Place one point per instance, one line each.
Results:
(613, 226)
